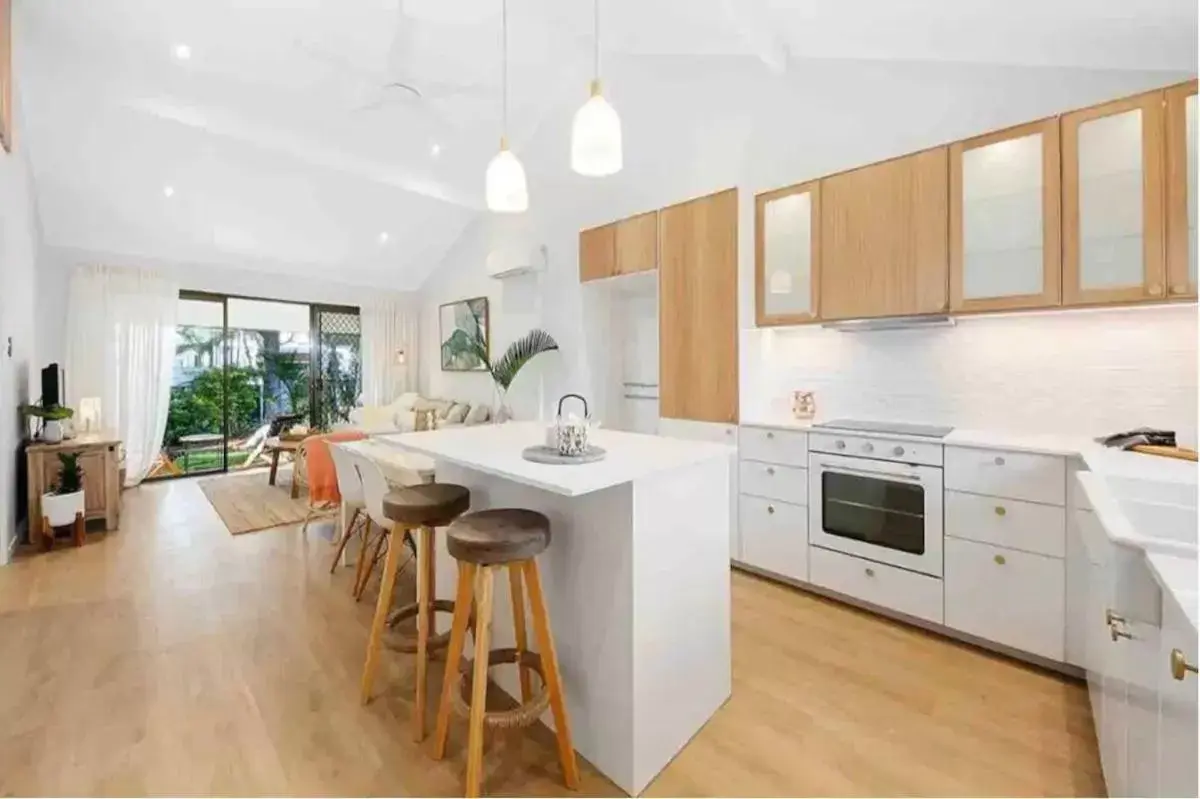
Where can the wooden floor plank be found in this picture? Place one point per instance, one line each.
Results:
(173, 658)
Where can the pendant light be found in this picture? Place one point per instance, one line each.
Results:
(596, 133)
(507, 191)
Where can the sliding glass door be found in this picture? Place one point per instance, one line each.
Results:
(244, 367)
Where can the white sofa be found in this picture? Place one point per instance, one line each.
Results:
(401, 415)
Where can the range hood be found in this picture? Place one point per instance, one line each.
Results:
(890, 323)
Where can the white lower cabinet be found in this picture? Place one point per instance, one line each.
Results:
(775, 536)
(886, 586)
(1177, 740)
(1006, 596)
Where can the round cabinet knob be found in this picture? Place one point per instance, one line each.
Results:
(868, 447)
(840, 444)
(870, 572)
(1155, 290)
(1000, 561)
(1000, 511)
(728, 432)
(1178, 289)
(898, 451)
(1179, 665)
(770, 509)
(999, 461)
(771, 470)
(770, 435)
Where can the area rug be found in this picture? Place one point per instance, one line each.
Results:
(247, 503)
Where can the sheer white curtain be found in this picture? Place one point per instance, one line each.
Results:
(120, 348)
(389, 349)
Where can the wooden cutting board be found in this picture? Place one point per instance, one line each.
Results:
(1181, 453)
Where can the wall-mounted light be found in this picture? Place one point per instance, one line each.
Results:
(401, 358)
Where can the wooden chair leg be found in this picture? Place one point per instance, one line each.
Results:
(370, 566)
(382, 606)
(518, 608)
(558, 705)
(347, 534)
(363, 554)
(479, 680)
(464, 597)
(424, 618)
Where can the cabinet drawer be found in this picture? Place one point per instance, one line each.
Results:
(774, 446)
(903, 591)
(1007, 522)
(785, 483)
(692, 430)
(775, 536)
(1013, 475)
(1013, 598)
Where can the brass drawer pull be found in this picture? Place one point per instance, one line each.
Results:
(770, 434)
(999, 461)
(870, 572)
(770, 509)
(1000, 560)
(1000, 511)
(1179, 665)
(770, 470)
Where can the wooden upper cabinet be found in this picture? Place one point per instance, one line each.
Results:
(884, 243)
(637, 244)
(698, 328)
(1004, 220)
(598, 253)
(1181, 190)
(787, 255)
(1113, 197)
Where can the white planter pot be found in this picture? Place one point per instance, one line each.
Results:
(52, 431)
(60, 509)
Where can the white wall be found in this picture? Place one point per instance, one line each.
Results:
(19, 245)
(692, 127)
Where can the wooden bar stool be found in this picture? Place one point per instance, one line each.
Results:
(422, 507)
(482, 542)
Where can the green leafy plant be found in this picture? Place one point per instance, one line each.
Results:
(520, 352)
(53, 413)
(70, 478)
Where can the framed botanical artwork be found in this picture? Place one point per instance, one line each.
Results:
(463, 331)
(6, 105)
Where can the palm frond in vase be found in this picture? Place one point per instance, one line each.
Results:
(519, 353)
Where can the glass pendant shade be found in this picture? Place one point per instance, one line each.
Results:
(596, 137)
(507, 191)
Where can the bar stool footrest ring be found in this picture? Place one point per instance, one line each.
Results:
(521, 716)
(408, 643)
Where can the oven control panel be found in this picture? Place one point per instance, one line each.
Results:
(876, 448)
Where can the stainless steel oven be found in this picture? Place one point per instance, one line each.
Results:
(883, 502)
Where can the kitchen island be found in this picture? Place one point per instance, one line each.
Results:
(636, 580)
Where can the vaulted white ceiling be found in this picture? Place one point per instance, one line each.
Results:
(283, 150)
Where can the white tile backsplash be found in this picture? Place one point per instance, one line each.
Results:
(1081, 372)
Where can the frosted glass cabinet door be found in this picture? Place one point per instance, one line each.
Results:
(1181, 190)
(1004, 220)
(786, 251)
(1113, 196)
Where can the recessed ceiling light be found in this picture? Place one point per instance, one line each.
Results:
(383, 238)
(168, 191)
(435, 150)
(183, 52)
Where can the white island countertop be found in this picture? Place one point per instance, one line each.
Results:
(496, 450)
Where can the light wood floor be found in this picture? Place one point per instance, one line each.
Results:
(174, 658)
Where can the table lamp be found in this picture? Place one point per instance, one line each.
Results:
(89, 414)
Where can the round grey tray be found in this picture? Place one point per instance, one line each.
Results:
(543, 454)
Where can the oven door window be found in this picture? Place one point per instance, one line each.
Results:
(876, 510)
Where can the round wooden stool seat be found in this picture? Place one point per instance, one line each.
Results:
(498, 535)
(426, 504)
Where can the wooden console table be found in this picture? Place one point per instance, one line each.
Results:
(99, 457)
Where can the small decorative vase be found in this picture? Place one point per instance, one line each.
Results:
(501, 413)
(52, 431)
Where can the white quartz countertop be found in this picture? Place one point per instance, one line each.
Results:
(496, 450)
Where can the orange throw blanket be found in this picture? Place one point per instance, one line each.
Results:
(318, 464)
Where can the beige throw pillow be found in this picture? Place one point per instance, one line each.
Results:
(457, 413)
(478, 415)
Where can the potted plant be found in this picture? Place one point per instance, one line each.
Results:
(51, 418)
(504, 370)
(65, 498)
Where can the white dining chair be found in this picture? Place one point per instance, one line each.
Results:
(352, 517)
(375, 487)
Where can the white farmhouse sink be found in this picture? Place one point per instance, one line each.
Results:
(1136, 489)
(1154, 515)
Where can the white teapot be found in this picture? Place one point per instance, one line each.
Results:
(571, 434)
